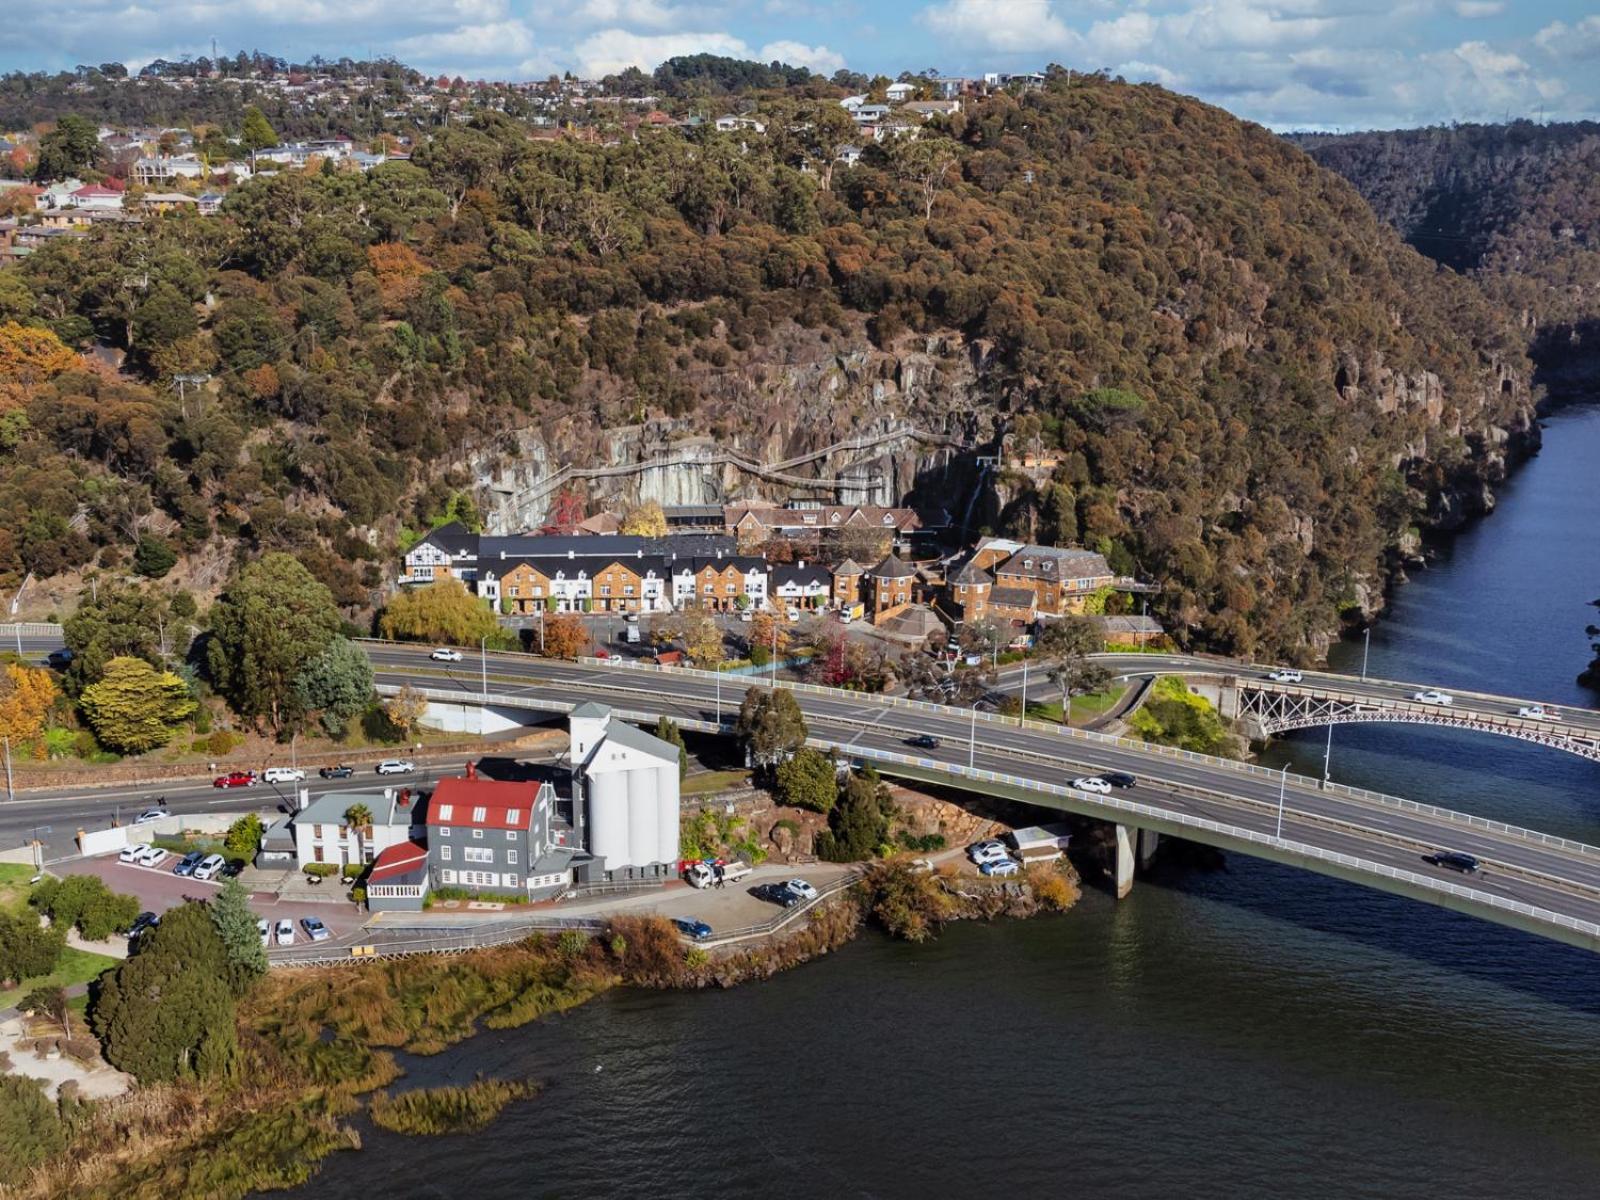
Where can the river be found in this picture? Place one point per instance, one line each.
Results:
(1251, 1032)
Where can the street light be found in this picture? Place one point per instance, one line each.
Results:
(972, 735)
(1283, 782)
(1366, 645)
(1326, 756)
(1022, 714)
(10, 795)
(483, 662)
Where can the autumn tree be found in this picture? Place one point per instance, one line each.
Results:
(271, 621)
(135, 707)
(399, 270)
(28, 358)
(26, 694)
(564, 635)
(405, 709)
(702, 639)
(645, 520)
(444, 611)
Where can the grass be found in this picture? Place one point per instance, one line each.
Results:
(14, 886)
(447, 1109)
(707, 782)
(1084, 708)
(76, 966)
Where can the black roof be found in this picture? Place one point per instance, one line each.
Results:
(799, 573)
(454, 538)
(570, 568)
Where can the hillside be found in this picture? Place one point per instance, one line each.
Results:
(1517, 207)
(1256, 392)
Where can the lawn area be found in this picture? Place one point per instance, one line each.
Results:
(14, 886)
(76, 966)
(713, 781)
(1084, 708)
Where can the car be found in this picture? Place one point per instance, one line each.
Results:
(145, 920)
(445, 654)
(187, 864)
(209, 867)
(1284, 675)
(1000, 867)
(235, 779)
(1432, 696)
(396, 766)
(231, 869)
(1539, 712)
(284, 932)
(315, 929)
(265, 930)
(802, 889)
(283, 775)
(152, 814)
(151, 856)
(1454, 860)
(923, 741)
(339, 772)
(130, 854)
(1092, 783)
(776, 893)
(988, 852)
(746, 616)
(59, 659)
(689, 927)
(1120, 779)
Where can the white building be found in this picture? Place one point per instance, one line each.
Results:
(323, 834)
(899, 93)
(625, 783)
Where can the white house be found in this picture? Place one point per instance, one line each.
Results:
(322, 833)
(899, 93)
(164, 168)
(801, 585)
(732, 123)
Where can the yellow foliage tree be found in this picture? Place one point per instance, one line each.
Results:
(29, 357)
(26, 694)
(647, 520)
(564, 636)
(444, 611)
(399, 273)
(703, 639)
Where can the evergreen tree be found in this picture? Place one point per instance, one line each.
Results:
(30, 1127)
(27, 948)
(337, 684)
(241, 941)
(244, 839)
(859, 823)
(153, 557)
(807, 780)
(257, 132)
(771, 724)
(668, 731)
(135, 707)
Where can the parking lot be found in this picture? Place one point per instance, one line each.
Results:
(159, 889)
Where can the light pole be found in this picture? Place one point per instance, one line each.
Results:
(719, 697)
(1022, 714)
(774, 676)
(1366, 645)
(972, 735)
(1283, 782)
(1326, 756)
(483, 663)
(10, 795)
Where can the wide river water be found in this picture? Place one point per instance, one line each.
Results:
(1252, 1032)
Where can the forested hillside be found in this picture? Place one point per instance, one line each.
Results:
(1257, 391)
(1515, 206)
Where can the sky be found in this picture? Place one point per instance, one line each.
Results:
(1289, 64)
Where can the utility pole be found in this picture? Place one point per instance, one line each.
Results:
(1283, 783)
(1327, 755)
(1366, 645)
(186, 381)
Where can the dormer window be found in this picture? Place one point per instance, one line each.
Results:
(888, 518)
(480, 814)
(1046, 565)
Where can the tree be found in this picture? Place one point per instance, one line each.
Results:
(85, 902)
(26, 695)
(405, 709)
(273, 620)
(669, 732)
(564, 636)
(30, 1127)
(135, 707)
(337, 684)
(116, 619)
(807, 780)
(49, 1000)
(702, 638)
(831, 130)
(859, 823)
(771, 725)
(30, 356)
(153, 557)
(443, 611)
(243, 840)
(256, 133)
(1066, 646)
(167, 1013)
(645, 520)
(769, 635)
(358, 815)
(236, 929)
(28, 949)
(68, 148)
(925, 163)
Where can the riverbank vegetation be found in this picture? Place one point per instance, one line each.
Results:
(447, 1109)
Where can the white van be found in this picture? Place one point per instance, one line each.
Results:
(283, 775)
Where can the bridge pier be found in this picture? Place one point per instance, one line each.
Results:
(1149, 839)
(1126, 834)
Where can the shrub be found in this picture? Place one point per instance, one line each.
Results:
(1052, 889)
(320, 870)
(222, 742)
(353, 870)
(572, 943)
(447, 1109)
(908, 904)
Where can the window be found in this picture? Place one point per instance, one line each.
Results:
(511, 835)
(511, 856)
(477, 833)
(444, 811)
(512, 814)
(538, 592)
(514, 591)
(478, 854)
(480, 813)
(447, 876)
(605, 589)
(627, 589)
(444, 831)
(511, 881)
(444, 853)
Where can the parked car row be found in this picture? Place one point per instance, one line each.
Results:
(233, 779)
(992, 858)
(787, 894)
(281, 932)
(1102, 783)
(201, 866)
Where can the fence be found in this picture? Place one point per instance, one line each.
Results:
(451, 940)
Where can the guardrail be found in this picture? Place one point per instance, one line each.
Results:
(449, 940)
(784, 916)
(28, 629)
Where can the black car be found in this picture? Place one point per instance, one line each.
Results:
(339, 772)
(60, 659)
(1118, 779)
(188, 863)
(231, 869)
(778, 893)
(1454, 860)
(923, 741)
(145, 920)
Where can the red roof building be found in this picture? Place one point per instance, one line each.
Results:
(475, 803)
(399, 860)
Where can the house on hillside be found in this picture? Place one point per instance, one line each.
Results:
(889, 585)
(899, 93)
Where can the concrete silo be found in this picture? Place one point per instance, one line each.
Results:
(666, 798)
(608, 818)
(642, 838)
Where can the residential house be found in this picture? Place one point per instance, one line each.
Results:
(96, 196)
(492, 837)
(899, 93)
(602, 524)
(625, 785)
(165, 168)
(889, 585)
(448, 552)
(869, 114)
(398, 879)
(849, 155)
(847, 584)
(732, 124)
(210, 203)
(718, 583)
(1130, 630)
(168, 202)
(928, 109)
(967, 590)
(800, 585)
(323, 834)
(1060, 579)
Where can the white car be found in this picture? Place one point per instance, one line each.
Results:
(283, 775)
(445, 654)
(1092, 783)
(1537, 711)
(1284, 676)
(802, 889)
(285, 932)
(396, 766)
(986, 852)
(151, 814)
(130, 854)
(209, 866)
(1434, 697)
(151, 856)
(1001, 867)
(264, 930)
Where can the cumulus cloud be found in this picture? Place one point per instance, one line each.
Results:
(1006, 25)
(613, 50)
(798, 54)
(632, 14)
(491, 42)
(1561, 40)
(1473, 10)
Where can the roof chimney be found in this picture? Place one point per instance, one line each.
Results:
(472, 770)
(572, 554)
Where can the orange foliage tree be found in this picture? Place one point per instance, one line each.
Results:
(564, 636)
(28, 357)
(399, 273)
(26, 694)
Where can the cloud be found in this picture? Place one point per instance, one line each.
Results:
(1473, 10)
(1560, 40)
(797, 54)
(1007, 25)
(470, 43)
(612, 50)
(632, 14)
